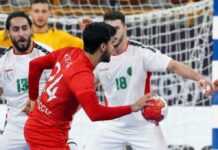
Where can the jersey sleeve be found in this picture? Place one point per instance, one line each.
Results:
(154, 61)
(84, 91)
(36, 67)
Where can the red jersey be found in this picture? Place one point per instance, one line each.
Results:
(70, 85)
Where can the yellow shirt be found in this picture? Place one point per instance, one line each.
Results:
(5, 42)
(54, 38)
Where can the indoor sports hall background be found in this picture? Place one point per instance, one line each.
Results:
(180, 28)
(215, 69)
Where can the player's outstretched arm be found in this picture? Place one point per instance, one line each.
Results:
(189, 73)
(86, 96)
(97, 112)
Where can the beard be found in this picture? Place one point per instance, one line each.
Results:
(105, 57)
(21, 47)
(119, 41)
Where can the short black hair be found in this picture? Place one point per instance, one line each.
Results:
(114, 15)
(39, 1)
(17, 14)
(95, 34)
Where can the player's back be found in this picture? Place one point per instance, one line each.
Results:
(54, 109)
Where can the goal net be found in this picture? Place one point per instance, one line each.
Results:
(182, 29)
(179, 28)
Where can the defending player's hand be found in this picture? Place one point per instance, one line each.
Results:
(84, 22)
(139, 105)
(206, 86)
(29, 106)
(215, 85)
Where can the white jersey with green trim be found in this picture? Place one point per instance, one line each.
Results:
(123, 79)
(14, 78)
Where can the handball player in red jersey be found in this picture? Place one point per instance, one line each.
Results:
(70, 86)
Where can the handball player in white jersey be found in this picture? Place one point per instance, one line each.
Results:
(126, 77)
(14, 65)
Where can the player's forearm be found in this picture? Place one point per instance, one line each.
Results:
(108, 113)
(34, 77)
(97, 112)
(184, 71)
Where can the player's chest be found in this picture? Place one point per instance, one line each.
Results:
(118, 76)
(120, 73)
(14, 76)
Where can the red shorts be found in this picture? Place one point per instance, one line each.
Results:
(42, 137)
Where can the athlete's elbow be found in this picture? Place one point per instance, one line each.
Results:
(94, 117)
(95, 114)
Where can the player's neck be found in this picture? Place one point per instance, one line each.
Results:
(94, 58)
(37, 29)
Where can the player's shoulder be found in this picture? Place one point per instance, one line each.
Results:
(68, 53)
(59, 32)
(63, 33)
(42, 48)
(71, 49)
(136, 45)
(67, 38)
(74, 62)
(4, 52)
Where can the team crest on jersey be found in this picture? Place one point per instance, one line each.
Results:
(129, 71)
(8, 74)
(67, 60)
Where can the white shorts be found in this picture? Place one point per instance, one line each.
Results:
(81, 130)
(13, 136)
(112, 138)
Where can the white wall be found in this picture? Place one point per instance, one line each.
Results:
(190, 125)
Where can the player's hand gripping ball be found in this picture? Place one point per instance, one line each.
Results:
(155, 110)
